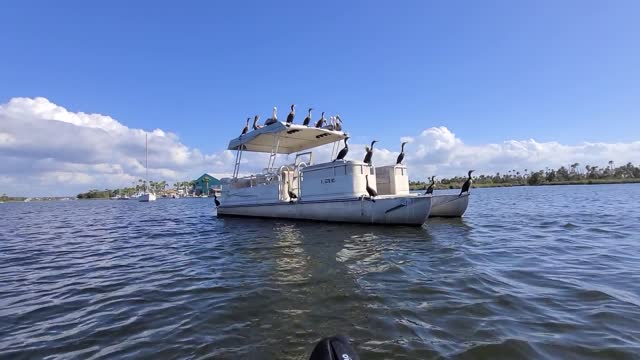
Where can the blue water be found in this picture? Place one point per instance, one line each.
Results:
(529, 272)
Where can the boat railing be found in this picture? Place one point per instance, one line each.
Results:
(254, 180)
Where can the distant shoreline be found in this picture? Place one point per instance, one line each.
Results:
(555, 183)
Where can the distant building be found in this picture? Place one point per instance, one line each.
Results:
(206, 184)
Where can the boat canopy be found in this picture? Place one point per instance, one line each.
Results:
(282, 139)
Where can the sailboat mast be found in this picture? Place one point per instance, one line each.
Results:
(146, 162)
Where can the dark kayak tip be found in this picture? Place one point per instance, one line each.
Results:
(334, 348)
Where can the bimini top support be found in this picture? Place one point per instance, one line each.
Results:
(291, 139)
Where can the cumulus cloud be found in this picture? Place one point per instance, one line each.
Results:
(46, 149)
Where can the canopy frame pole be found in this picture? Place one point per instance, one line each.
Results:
(236, 168)
(274, 152)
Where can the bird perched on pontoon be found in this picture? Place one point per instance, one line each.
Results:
(215, 199)
(274, 117)
(245, 129)
(369, 154)
(256, 126)
(401, 156)
(467, 184)
(292, 114)
(372, 193)
(338, 126)
(307, 120)
(344, 151)
(321, 122)
(430, 188)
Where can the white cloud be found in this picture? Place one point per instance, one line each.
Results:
(46, 149)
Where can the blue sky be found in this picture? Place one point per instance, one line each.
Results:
(491, 85)
(490, 71)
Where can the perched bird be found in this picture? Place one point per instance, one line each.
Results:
(307, 120)
(467, 184)
(401, 156)
(215, 199)
(430, 188)
(274, 117)
(338, 126)
(372, 193)
(245, 129)
(292, 195)
(369, 154)
(255, 123)
(344, 151)
(321, 122)
(292, 114)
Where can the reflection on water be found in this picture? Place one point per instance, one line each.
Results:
(550, 277)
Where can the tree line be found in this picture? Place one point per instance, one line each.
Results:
(154, 186)
(571, 174)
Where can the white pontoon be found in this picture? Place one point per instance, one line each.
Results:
(333, 191)
(449, 205)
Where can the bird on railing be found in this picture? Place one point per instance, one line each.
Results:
(369, 154)
(274, 117)
(215, 199)
(245, 129)
(292, 114)
(344, 151)
(429, 190)
(401, 156)
(307, 120)
(372, 193)
(255, 123)
(321, 122)
(467, 184)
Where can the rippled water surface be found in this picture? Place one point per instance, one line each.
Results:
(543, 272)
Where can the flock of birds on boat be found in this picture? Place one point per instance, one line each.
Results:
(335, 123)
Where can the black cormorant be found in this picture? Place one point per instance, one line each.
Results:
(255, 123)
(215, 199)
(401, 156)
(307, 120)
(321, 122)
(292, 114)
(372, 193)
(245, 129)
(467, 184)
(369, 154)
(344, 151)
(430, 188)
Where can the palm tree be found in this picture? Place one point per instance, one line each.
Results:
(611, 164)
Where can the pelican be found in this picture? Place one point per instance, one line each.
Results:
(372, 193)
(430, 188)
(307, 120)
(274, 117)
(338, 126)
(401, 156)
(215, 199)
(255, 123)
(344, 151)
(321, 122)
(292, 114)
(246, 127)
(369, 154)
(467, 184)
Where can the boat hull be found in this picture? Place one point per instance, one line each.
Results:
(449, 205)
(147, 197)
(409, 210)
